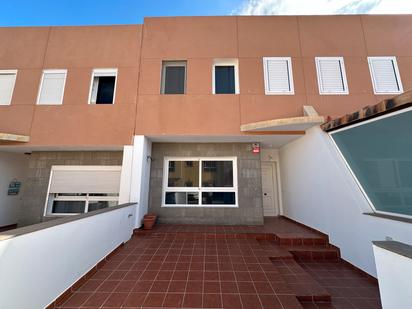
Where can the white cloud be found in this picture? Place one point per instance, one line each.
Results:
(321, 7)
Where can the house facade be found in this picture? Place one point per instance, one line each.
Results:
(208, 120)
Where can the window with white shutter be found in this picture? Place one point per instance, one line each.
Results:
(52, 87)
(278, 75)
(7, 81)
(331, 75)
(80, 189)
(385, 75)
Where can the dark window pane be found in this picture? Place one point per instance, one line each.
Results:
(95, 205)
(182, 198)
(379, 154)
(174, 80)
(218, 198)
(217, 174)
(183, 174)
(224, 79)
(68, 207)
(105, 90)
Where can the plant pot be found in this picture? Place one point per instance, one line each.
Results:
(149, 221)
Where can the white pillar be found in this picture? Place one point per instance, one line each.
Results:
(140, 176)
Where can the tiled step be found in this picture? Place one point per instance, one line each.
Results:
(205, 235)
(314, 253)
(291, 240)
(299, 283)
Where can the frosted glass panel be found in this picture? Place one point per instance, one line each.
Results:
(380, 155)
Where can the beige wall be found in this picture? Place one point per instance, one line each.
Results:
(140, 109)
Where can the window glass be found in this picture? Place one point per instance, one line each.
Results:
(105, 89)
(380, 155)
(182, 198)
(174, 78)
(95, 205)
(68, 207)
(218, 198)
(224, 79)
(217, 174)
(183, 174)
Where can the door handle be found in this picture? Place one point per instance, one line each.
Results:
(265, 194)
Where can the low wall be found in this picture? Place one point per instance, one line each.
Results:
(394, 266)
(39, 262)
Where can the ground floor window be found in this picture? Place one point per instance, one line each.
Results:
(197, 182)
(81, 189)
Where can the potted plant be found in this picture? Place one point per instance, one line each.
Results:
(149, 220)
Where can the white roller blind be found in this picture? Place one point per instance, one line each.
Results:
(52, 87)
(385, 75)
(85, 180)
(331, 75)
(7, 80)
(278, 75)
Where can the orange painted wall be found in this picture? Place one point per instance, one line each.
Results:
(138, 50)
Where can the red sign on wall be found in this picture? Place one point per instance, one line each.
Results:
(256, 148)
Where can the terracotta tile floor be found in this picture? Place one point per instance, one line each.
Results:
(165, 270)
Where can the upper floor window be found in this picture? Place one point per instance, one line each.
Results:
(103, 86)
(226, 76)
(331, 75)
(52, 87)
(7, 81)
(385, 75)
(173, 77)
(278, 75)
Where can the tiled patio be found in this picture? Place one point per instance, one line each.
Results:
(224, 267)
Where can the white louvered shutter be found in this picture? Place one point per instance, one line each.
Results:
(385, 76)
(7, 80)
(278, 75)
(331, 75)
(85, 180)
(52, 87)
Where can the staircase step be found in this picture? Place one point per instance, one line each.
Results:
(314, 253)
(291, 240)
(300, 283)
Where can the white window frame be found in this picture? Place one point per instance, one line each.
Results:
(358, 183)
(103, 72)
(344, 78)
(226, 62)
(48, 206)
(9, 72)
(397, 75)
(172, 63)
(199, 189)
(290, 75)
(57, 71)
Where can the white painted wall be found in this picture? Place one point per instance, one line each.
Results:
(12, 166)
(37, 267)
(394, 273)
(319, 191)
(140, 178)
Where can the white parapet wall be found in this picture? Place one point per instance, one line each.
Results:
(394, 266)
(318, 190)
(39, 262)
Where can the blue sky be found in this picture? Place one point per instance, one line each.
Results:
(106, 12)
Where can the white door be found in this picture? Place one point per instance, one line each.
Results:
(269, 189)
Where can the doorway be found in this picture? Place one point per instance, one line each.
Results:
(270, 189)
